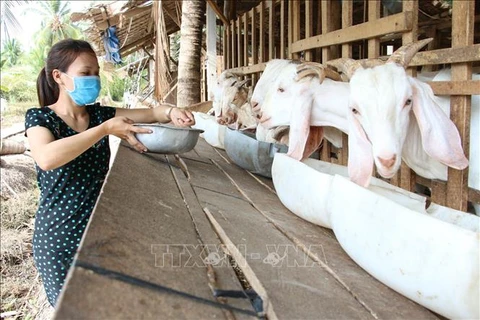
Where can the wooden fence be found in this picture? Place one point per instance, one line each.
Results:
(324, 30)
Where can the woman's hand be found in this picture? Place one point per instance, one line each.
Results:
(181, 117)
(123, 128)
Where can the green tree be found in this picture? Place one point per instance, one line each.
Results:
(56, 25)
(8, 20)
(11, 52)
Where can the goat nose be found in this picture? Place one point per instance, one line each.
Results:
(388, 162)
(259, 115)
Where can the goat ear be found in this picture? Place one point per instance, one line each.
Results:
(360, 158)
(301, 138)
(440, 137)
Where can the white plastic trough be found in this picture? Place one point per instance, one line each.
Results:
(214, 132)
(430, 256)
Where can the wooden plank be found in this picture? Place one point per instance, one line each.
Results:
(295, 25)
(463, 17)
(225, 46)
(327, 28)
(250, 69)
(460, 87)
(392, 24)
(308, 26)
(282, 29)
(211, 42)
(375, 297)
(245, 39)
(347, 21)
(257, 239)
(114, 20)
(262, 32)
(406, 175)
(131, 240)
(218, 12)
(234, 44)
(254, 43)
(271, 32)
(138, 43)
(373, 15)
(239, 42)
(461, 54)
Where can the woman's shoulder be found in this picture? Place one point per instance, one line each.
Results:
(103, 112)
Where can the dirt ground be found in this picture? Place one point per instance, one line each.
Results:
(22, 294)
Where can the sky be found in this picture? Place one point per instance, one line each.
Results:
(30, 21)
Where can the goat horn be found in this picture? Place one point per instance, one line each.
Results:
(242, 83)
(316, 69)
(345, 65)
(370, 63)
(404, 54)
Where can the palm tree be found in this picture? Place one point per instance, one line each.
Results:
(8, 20)
(11, 51)
(189, 74)
(56, 25)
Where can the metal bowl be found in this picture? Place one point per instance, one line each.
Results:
(168, 139)
(251, 154)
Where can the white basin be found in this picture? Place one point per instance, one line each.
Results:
(430, 256)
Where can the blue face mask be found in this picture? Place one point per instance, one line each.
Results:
(85, 89)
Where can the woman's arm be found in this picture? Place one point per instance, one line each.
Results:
(162, 114)
(50, 154)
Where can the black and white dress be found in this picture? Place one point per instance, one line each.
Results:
(67, 197)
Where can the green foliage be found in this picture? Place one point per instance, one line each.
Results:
(11, 51)
(19, 84)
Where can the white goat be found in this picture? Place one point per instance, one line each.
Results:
(379, 124)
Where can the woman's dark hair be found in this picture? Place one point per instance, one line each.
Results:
(60, 57)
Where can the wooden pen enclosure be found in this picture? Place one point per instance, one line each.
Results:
(324, 30)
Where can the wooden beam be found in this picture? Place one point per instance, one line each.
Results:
(245, 39)
(239, 52)
(114, 20)
(137, 43)
(396, 23)
(282, 29)
(463, 16)
(250, 69)
(218, 12)
(173, 17)
(373, 15)
(295, 24)
(308, 25)
(461, 54)
(271, 34)
(262, 32)
(234, 44)
(457, 88)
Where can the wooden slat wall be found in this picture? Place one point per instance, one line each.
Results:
(326, 28)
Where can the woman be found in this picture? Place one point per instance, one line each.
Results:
(68, 139)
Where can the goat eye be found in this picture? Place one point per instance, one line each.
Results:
(355, 111)
(281, 90)
(408, 102)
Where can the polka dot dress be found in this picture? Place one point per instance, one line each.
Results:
(67, 197)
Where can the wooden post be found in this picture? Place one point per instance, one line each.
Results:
(211, 49)
(347, 21)
(245, 39)
(239, 41)
(326, 55)
(234, 44)
(225, 46)
(463, 18)
(290, 29)
(308, 26)
(261, 57)
(295, 25)
(282, 29)
(406, 175)
(254, 43)
(271, 35)
(373, 14)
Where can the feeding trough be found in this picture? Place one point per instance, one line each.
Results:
(214, 133)
(251, 154)
(168, 139)
(429, 255)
